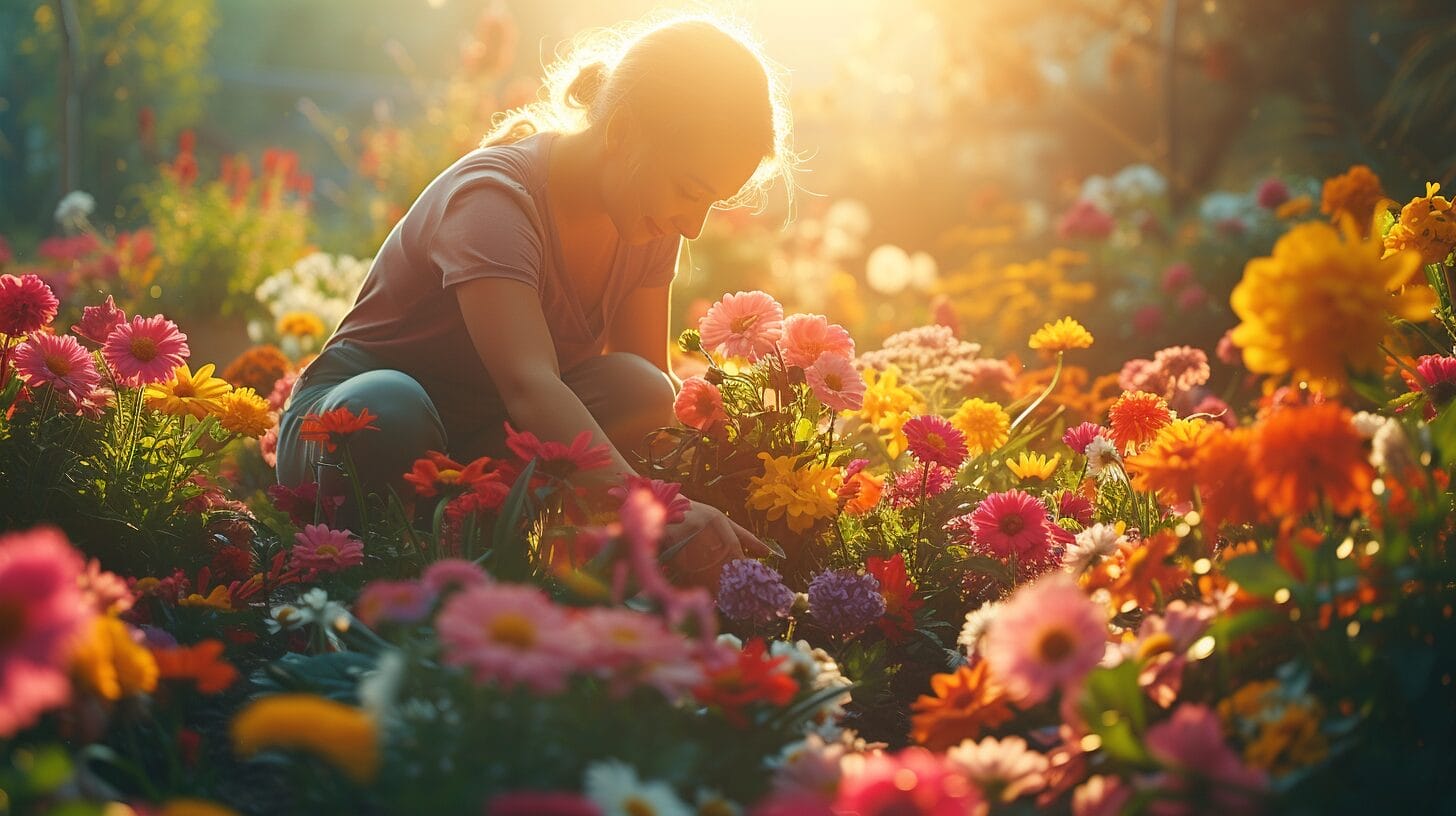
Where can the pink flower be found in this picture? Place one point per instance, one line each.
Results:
(26, 304)
(268, 446)
(744, 324)
(1085, 221)
(1192, 298)
(1272, 192)
(321, 549)
(42, 612)
(1205, 773)
(97, 322)
(699, 404)
(1076, 507)
(147, 350)
(394, 602)
(512, 635)
(1438, 373)
(914, 781)
(1176, 277)
(1184, 367)
(1004, 769)
(1081, 436)
(633, 649)
(806, 336)
(453, 573)
(1048, 636)
(666, 493)
(1008, 525)
(836, 382)
(933, 440)
(60, 362)
(643, 519)
(905, 489)
(1100, 796)
(558, 459)
(106, 591)
(1147, 319)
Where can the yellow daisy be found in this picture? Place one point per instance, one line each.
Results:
(1063, 335)
(243, 412)
(1034, 465)
(188, 394)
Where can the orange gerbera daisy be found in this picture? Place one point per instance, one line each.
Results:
(963, 705)
(332, 427)
(1226, 480)
(1169, 465)
(1136, 417)
(201, 662)
(1356, 192)
(438, 473)
(1300, 454)
(1139, 572)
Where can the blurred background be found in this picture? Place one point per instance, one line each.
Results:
(985, 165)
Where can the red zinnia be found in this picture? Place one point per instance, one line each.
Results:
(899, 593)
(332, 427)
(754, 677)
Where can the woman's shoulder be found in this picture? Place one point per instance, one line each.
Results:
(522, 162)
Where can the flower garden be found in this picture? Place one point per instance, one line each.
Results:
(1048, 536)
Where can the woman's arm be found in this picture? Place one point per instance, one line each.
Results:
(641, 327)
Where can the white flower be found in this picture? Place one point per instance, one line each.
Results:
(286, 618)
(731, 640)
(74, 209)
(330, 614)
(1091, 545)
(1138, 185)
(923, 271)
(814, 765)
(850, 215)
(1002, 769)
(1390, 449)
(614, 787)
(815, 670)
(379, 688)
(1366, 423)
(888, 269)
(1102, 458)
(977, 622)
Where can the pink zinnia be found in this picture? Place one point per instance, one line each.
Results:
(1048, 636)
(1191, 744)
(26, 304)
(806, 336)
(836, 382)
(744, 324)
(512, 635)
(699, 404)
(147, 350)
(557, 458)
(394, 602)
(933, 440)
(1081, 436)
(911, 781)
(1010, 524)
(60, 362)
(42, 612)
(97, 322)
(321, 549)
(453, 573)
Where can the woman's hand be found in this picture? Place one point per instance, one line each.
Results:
(708, 540)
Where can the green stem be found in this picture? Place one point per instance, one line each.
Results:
(358, 490)
(1051, 385)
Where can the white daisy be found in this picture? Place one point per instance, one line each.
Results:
(1091, 545)
(614, 787)
(977, 622)
(1102, 458)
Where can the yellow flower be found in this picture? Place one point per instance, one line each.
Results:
(1248, 701)
(111, 664)
(243, 412)
(219, 598)
(195, 807)
(1064, 335)
(1034, 465)
(984, 423)
(891, 430)
(1289, 742)
(886, 398)
(188, 394)
(803, 494)
(341, 735)
(1426, 225)
(1317, 308)
(301, 324)
(1356, 192)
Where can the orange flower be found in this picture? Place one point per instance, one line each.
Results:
(1136, 417)
(201, 663)
(870, 488)
(259, 368)
(963, 705)
(1169, 466)
(1139, 573)
(438, 473)
(1225, 479)
(1300, 454)
(1357, 192)
(1427, 225)
(332, 427)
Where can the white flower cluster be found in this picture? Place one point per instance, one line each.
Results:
(320, 284)
(1135, 187)
(928, 356)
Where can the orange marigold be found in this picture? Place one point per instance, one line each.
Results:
(1356, 192)
(961, 706)
(1139, 573)
(1300, 454)
(1136, 417)
(258, 368)
(1169, 465)
(1225, 479)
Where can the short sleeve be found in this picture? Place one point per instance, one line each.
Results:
(489, 229)
(663, 266)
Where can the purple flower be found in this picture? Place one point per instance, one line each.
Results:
(845, 602)
(751, 591)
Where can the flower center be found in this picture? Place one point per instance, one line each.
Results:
(1055, 646)
(12, 621)
(743, 324)
(1013, 524)
(185, 390)
(449, 476)
(144, 349)
(513, 629)
(834, 382)
(935, 440)
(634, 806)
(327, 551)
(58, 365)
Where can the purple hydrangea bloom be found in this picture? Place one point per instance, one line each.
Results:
(845, 602)
(753, 592)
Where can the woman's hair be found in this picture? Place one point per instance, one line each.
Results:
(684, 77)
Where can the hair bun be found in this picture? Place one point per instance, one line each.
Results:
(583, 90)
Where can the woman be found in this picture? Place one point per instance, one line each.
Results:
(530, 280)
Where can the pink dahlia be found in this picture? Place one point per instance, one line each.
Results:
(806, 336)
(933, 440)
(699, 404)
(321, 549)
(147, 350)
(913, 781)
(513, 635)
(60, 362)
(26, 304)
(42, 613)
(1009, 525)
(1048, 636)
(386, 601)
(1079, 437)
(97, 322)
(1205, 774)
(836, 382)
(744, 324)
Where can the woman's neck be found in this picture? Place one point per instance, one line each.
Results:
(572, 167)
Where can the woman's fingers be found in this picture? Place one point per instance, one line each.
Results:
(750, 543)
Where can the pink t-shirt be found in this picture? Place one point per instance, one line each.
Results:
(485, 216)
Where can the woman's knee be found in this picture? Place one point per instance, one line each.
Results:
(405, 417)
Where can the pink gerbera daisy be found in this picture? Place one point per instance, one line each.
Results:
(836, 382)
(1048, 636)
(26, 304)
(1007, 525)
(60, 362)
(933, 440)
(42, 612)
(513, 635)
(806, 336)
(386, 601)
(453, 573)
(556, 458)
(321, 549)
(743, 324)
(699, 404)
(1203, 768)
(1438, 374)
(147, 350)
(97, 322)
(1080, 436)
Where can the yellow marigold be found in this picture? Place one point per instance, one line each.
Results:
(188, 394)
(1034, 465)
(891, 430)
(1169, 465)
(1317, 308)
(1248, 702)
(984, 423)
(886, 398)
(1294, 207)
(1356, 192)
(1289, 742)
(1064, 335)
(243, 412)
(1426, 225)
(195, 807)
(111, 664)
(1136, 417)
(301, 324)
(341, 735)
(803, 494)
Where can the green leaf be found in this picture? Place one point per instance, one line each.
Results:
(1113, 706)
(506, 539)
(50, 769)
(334, 675)
(1258, 574)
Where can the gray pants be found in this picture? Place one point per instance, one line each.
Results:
(627, 395)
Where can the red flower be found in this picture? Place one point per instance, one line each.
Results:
(202, 663)
(332, 427)
(299, 502)
(899, 592)
(754, 677)
(555, 458)
(438, 473)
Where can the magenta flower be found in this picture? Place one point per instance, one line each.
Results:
(1176, 277)
(1204, 772)
(904, 489)
(453, 573)
(699, 404)
(744, 324)
(26, 304)
(1271, 193)
(1085, 221)
(836, 382)
(97, 322)
(60, 362)
(1007, 525)
(806, 336)
(1439, 375)
(512, 635)
(1079, 437)
(932, 440)
(1048, 636)
(147, 350)
(913, 781)
(321, 549)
